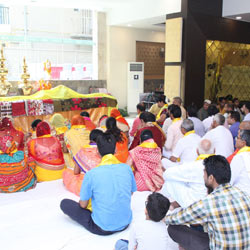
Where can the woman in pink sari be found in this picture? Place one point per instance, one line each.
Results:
(146, 160)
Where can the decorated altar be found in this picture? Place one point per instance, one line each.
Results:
(43, 104)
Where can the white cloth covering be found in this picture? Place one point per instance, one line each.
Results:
(222, 139)
(240, 171)
(33, 220)
(185, 183)
(148, 235)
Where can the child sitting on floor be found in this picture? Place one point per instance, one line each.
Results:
(151, 233)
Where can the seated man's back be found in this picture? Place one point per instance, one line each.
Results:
(110, 187)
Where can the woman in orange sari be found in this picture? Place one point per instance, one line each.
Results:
(7, 128)
(120, 121)
(121, 140)
(47, 153)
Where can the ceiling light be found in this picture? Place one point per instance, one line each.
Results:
(129, 25)
(238, 18)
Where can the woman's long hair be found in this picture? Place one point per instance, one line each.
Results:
(112, 129)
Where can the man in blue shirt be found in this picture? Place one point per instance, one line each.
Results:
(109, 186)
(233, 120)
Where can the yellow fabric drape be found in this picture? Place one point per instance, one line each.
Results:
(148, 145)
(244, 149)
(47, 175)
(44, 136)
(78, 126)
(109, 159)
(203, 156)
(159, 113)
(190, 132)
(59, 92)
(176, 120)
(61, 130)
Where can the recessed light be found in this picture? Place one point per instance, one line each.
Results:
(238, 17)
(129, 25)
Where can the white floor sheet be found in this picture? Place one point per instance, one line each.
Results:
(33, 221)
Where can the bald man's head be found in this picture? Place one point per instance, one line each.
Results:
(205, 147)
(245, 125)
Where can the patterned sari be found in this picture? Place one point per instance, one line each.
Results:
(15, 173)
(147, 166)
(77, 136)
(7, 128)
(87, 158)
(47, 154)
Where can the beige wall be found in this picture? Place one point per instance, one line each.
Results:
(173, 76)
(121, 49)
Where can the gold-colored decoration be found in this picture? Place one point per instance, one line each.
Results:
(5, 85)
(227, 70)
(26, 86)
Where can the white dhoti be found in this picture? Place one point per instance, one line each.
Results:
(185, 183)
(166, 163)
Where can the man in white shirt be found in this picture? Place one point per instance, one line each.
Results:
(220, 136)
(174, 133)
(240, 165)
(198, 125)
(167, 121)
(246, 111)
(185, 150)
(185, 183)
(212, 111)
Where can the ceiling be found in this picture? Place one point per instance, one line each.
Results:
(145, 14)
(245, 17)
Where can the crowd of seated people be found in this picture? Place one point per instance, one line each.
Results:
(196, 158)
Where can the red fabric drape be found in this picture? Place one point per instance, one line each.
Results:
(42, 129)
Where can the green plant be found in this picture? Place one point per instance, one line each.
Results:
(124, 112)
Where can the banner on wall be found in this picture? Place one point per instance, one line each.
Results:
(62, 71)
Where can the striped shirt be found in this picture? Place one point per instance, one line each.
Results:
(225, 212)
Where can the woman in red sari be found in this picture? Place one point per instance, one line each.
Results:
(47, 154)
(121, 152)
(146, 160)
(7, 128)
